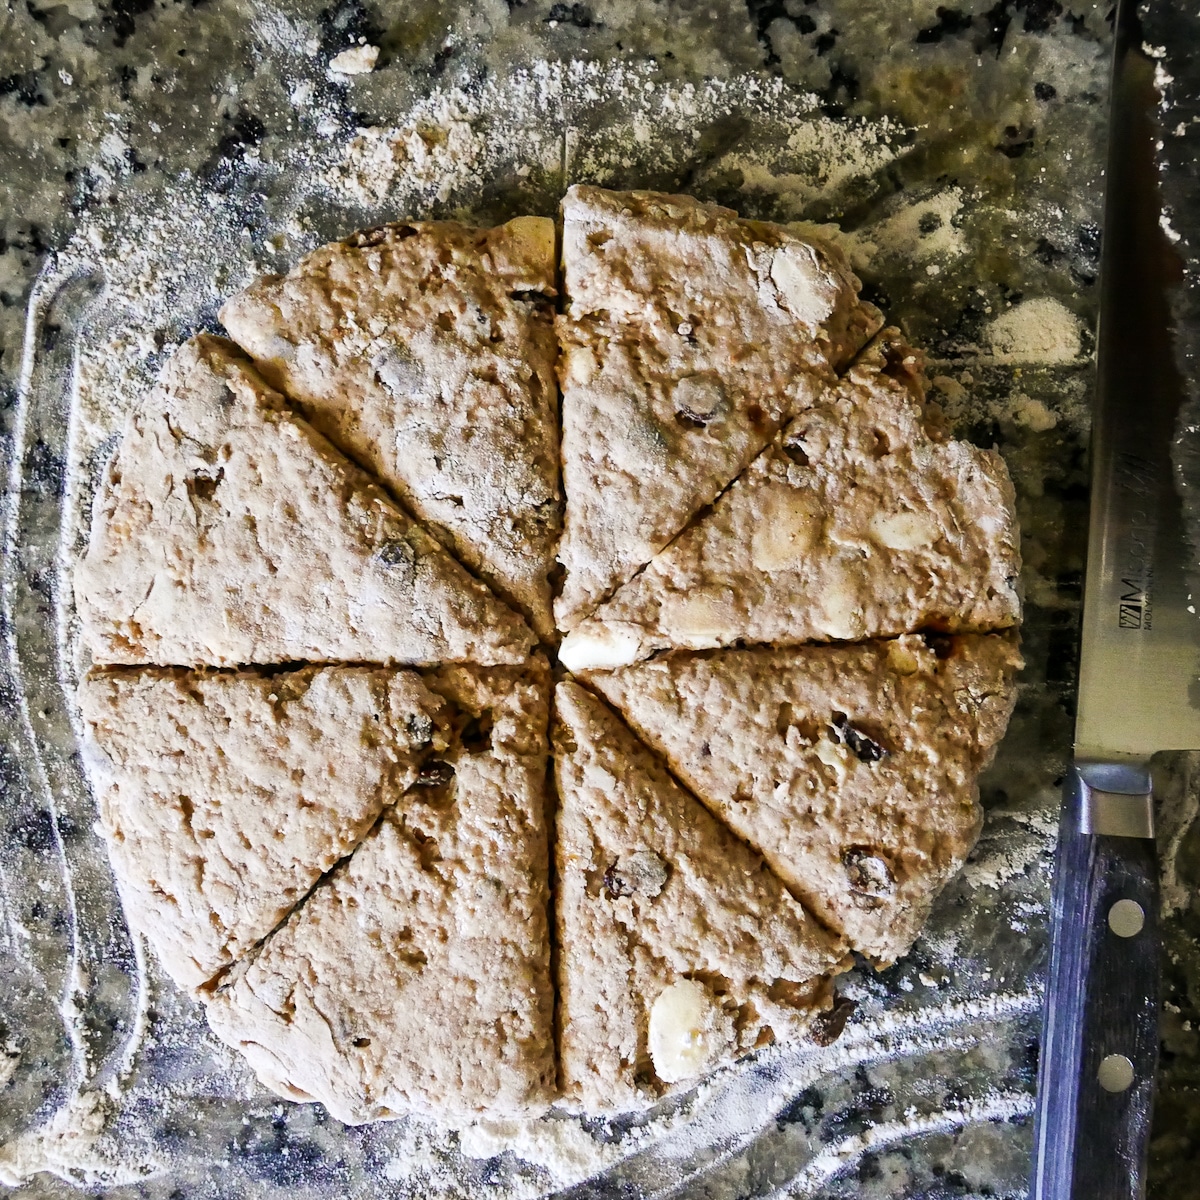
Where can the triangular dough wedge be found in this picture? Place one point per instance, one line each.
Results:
(425, 351)
(678, 948)
(852, 768)
(224, 796)
(861, 520)
(229, 532)
(417, 976)
(690, 338)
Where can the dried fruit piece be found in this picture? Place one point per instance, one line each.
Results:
(829, 1025)
(698, 399)
(434, 774)
(864, 748)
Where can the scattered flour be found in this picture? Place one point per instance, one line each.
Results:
(170, 259)
(430, 154)
(357, 60)
(10, 1058)
(1033, 414)
(1042, 331)
(68, 1146)
(832, 1159)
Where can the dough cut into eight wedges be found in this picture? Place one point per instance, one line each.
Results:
(320, 729)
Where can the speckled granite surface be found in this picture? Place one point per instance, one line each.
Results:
(987, 199)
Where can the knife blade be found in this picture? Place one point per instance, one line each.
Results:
(1139, 693)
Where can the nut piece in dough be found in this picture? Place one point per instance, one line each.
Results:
(852, 769)
(224, 796)
(688, 1030)
(859, 521)
(228, 532)
(416, 977)
(425, 351)
(690, 337)
(678, 948)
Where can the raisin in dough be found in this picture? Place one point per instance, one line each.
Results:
(416, 978)
(229, 532)
(426, 351)
(690, 337)
(860, 520)
(224, 796)
(678, 948)
(852, 769)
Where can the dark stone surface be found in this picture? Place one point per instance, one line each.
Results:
(997, 113)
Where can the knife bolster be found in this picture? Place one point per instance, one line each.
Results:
(1115, 800)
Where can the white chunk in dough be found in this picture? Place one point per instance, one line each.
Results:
(599, 649)
(904, 530)
(808, 291)
(688, 1030)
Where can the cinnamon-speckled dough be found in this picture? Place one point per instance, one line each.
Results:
(690, 337)
(226, 795)
(229, 532)
(860, 520)
(417, 976)
(851, 768)
(425, 351)
(653, 892)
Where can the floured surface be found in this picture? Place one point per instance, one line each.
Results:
(689, 337)
(417, 976)
(230, 532)
(861, 520)
(426, 351)
(444, 147)
(853, 770)
(226, 795)
(678, 948)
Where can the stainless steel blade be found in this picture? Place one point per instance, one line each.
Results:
(1139, 687)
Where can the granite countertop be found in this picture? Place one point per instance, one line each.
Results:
(958, 147)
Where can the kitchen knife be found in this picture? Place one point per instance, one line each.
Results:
(1139, 693)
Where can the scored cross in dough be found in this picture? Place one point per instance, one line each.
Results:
(229, 532)
(416, 977)
(860, 520)
(223, 796)
(425, 351)
(690, 337)
(852, 769)
(679, 950)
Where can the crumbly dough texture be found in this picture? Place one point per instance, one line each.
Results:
(349, 864)
(689, 338)
(417, 977)
(226, 795)
(651, 891)
(229, 532)
(851, 768)
(860, 520)
(425, 351)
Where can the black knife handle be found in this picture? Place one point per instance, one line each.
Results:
(1102, 1000)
